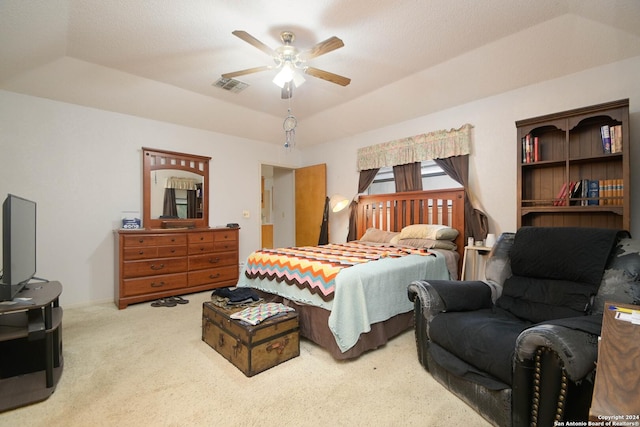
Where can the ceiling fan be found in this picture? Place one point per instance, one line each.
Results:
(291, 62)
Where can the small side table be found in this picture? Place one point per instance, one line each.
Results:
(474, 252)
(31, 359)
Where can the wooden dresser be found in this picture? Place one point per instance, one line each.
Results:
(152, 264)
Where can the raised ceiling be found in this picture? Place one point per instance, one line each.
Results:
(159, 58)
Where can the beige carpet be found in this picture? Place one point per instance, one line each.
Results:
(148, 366)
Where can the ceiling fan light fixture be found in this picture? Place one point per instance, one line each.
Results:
(285, 75)
(298, 80)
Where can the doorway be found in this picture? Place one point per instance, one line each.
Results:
(277, 206)
(292, 204)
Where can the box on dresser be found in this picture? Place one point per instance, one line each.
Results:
(153, 264)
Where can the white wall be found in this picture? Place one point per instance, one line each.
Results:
(492, 164)
(84, 167)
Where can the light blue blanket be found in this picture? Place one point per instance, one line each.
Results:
(365, 293)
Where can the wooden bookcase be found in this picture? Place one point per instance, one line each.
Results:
(570, 149)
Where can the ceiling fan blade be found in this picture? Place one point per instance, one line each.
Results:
(287, 90)
(325, 75)
(254, 42)
(321, 48)
(247, 71)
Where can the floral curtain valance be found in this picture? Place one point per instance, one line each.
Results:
(427, 146)
(181, 183)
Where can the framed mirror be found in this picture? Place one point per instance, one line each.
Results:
(175, 189)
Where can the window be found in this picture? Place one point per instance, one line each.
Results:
(433, 178)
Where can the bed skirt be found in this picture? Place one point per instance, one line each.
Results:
(314, 326)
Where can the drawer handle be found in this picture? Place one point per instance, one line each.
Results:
(141, 253)
(155, 267)
(214, 276)
(140, 240)
(157, 285)
(214, 260)
(278, 346)
(173, 251)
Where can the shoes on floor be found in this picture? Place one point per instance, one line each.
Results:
(164, 302)
(169, 302)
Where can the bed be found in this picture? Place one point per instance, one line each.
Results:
(349, 311)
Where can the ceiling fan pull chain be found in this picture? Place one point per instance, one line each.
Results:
(289, 125)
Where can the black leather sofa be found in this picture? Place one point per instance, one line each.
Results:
(521, 346)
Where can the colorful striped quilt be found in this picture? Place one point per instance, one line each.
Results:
(316, 267)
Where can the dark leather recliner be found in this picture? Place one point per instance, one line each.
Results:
(521, 347)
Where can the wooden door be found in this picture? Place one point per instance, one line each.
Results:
(310, 193)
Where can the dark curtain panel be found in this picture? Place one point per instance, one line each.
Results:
(192, 207)
(169, 208)
(365, 180)
(408, 177)
(324, 228)
(476, 223)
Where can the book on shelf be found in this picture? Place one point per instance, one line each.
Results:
(614, 189)
(593, 193)
(585, 192)
(615, 133)
(605, 133)
(611, 192)
(620, 191)
(561, 196)
(604, 191)
(530, 149)
(576, 193)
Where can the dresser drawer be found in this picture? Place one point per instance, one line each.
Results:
(199, 262)
(213, 275)
(201, 248)
(154, 240)
(148, 285)
(226, 235)
(170, 251)
(225, 245)
(141, 252)
(144, 252)
(154, 267)
(200, 237)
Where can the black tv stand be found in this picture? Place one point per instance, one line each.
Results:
(31, 359)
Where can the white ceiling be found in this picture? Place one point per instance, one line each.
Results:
(406, 58)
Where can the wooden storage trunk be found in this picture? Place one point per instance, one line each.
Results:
(252, 349)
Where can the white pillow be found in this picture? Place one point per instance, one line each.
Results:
(429, 231)
(375, 235)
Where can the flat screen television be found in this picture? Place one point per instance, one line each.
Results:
(18, 245)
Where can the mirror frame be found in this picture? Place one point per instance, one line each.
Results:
(152, 160)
